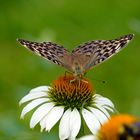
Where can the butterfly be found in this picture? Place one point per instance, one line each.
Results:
(82, 58)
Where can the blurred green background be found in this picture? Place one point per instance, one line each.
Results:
(69, 23)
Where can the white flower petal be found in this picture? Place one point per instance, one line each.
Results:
(40, 88)
(40, 113)
(103, 110)
(103, 101)
(91, 121)
(64, 126)
(53, 117)
(96, 95)
(108, 108)
(75, 124)
(32, 105)
(99, 115)
(31, 96)
(88, 137)
(43, 124)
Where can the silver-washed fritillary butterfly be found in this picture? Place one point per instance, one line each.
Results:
(82, 58)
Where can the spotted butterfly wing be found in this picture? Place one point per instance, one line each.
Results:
(50, 51)
(95, 52)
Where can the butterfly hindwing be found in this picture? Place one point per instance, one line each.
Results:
(97, 51)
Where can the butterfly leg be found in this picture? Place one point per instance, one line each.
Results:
(84, 81)
(73, 80)
(77, 81)
(67, 72)
(70, 73)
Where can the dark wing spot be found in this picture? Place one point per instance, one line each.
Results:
(49, 57)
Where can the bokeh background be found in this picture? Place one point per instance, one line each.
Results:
(69, 23)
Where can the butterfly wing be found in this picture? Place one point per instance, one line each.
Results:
(95, 52)
(50, 51)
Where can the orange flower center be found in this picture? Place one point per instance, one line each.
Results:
(66, 89)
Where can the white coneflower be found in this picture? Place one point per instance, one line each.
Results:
(68, 102)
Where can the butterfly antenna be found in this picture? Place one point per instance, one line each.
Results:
(100, 81)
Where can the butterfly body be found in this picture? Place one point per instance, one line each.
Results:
(78, 70)
(82, 58)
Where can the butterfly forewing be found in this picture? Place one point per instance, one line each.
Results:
(95, 52)
(50, 51)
